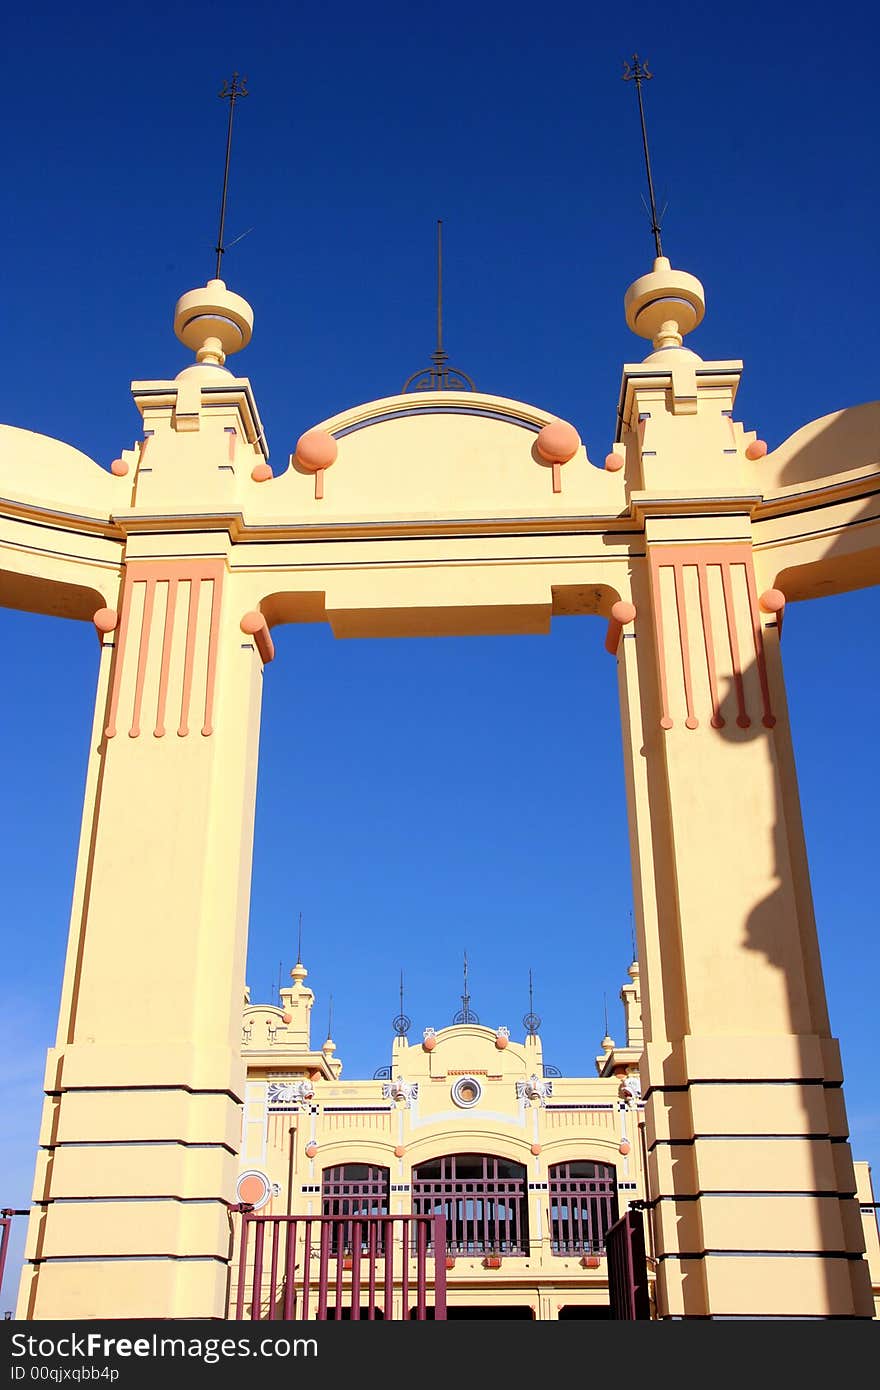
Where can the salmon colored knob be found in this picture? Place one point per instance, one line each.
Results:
(316, 449)
(756, 450)
(261, 472)
(623, 1147)
(771, 601)
(613, 463)
(106, 619)
(558, 442)
(311, 1149)
(536, 1149)
(399, 1151)
(623, 612)
(119, 468)
(252, 623)
(287, 1018)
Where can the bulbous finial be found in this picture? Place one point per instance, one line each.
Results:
(213, 322)
(664, 305)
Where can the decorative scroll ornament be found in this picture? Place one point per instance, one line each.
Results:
(536, 1088)
(631, 1089)
(401, 1092)
(288, 1093)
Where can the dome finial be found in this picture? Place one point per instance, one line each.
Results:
(213, 321)
(667, 303)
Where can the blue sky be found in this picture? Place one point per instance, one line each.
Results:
(462, 793)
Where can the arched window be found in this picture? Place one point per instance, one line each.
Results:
(583, 1204)
(484, 1200)
(352, 1190)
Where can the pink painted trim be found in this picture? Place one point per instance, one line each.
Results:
(742, 718)
(665, 720)
(170, 606)
(143, 648)
(769, 719)
(717, 721)
(691, 722)
(191, 620)
(213, 645)
(319, 484)
(110, 730)
(254, 625)
(232, 436)
(556, 470)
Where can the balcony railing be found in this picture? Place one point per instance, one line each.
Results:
(299, 1267)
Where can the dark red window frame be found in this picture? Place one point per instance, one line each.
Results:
(583, 1205)
(484, 1199)
(354, 1189)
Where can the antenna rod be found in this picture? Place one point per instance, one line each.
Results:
(230, 92)
(299, 942)
(638, 72)
(605, 1002)
(439, 287)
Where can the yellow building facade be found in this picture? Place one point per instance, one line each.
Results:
(528, 1168)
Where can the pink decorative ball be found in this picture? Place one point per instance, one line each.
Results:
(772, 600)
(261, 472)
(252, 623)
(105, 619)
(119, 468)
(756, 450)
(613, 463)
(500, 1041)
(558, 442)
(287, 1018)
(536, 1149)
(429, 1044)
(624, 1147)
(399, 1151)
(316, 449)
(311, 1149)
(623, 612)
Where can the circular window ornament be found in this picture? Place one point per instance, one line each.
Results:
(466, 1092)
(254, 1189)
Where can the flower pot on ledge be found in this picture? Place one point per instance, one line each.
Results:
(450, 1262)
(492, 1262)
(590, 1262)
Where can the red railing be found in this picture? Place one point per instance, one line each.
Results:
(6, 1216)
(330, 1267)
(628, 1268)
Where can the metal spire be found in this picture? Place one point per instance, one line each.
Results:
(401, 1024)
(231, 92)
(531, 1021)
(439, 377)
(299, 942)
(330, 1017)
(465, 1013)
(605, 1002)
(636, 71)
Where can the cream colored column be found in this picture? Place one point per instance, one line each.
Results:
(145, 1083)
(750, 1174)
(142, 1124)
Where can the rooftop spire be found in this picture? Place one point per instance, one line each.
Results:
(439, 376)
(232, 92)
(637, 71)
(531, 1021)
(665, 304)
(401, 1024)
(465, 1013)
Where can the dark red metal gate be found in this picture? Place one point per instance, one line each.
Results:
(628, 1268)
(6, 1216)
(331, 1267)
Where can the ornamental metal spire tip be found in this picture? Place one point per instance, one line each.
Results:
(465, 1013)
(638, 72)
(439, 376)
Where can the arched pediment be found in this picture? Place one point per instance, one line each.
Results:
(442, 456)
